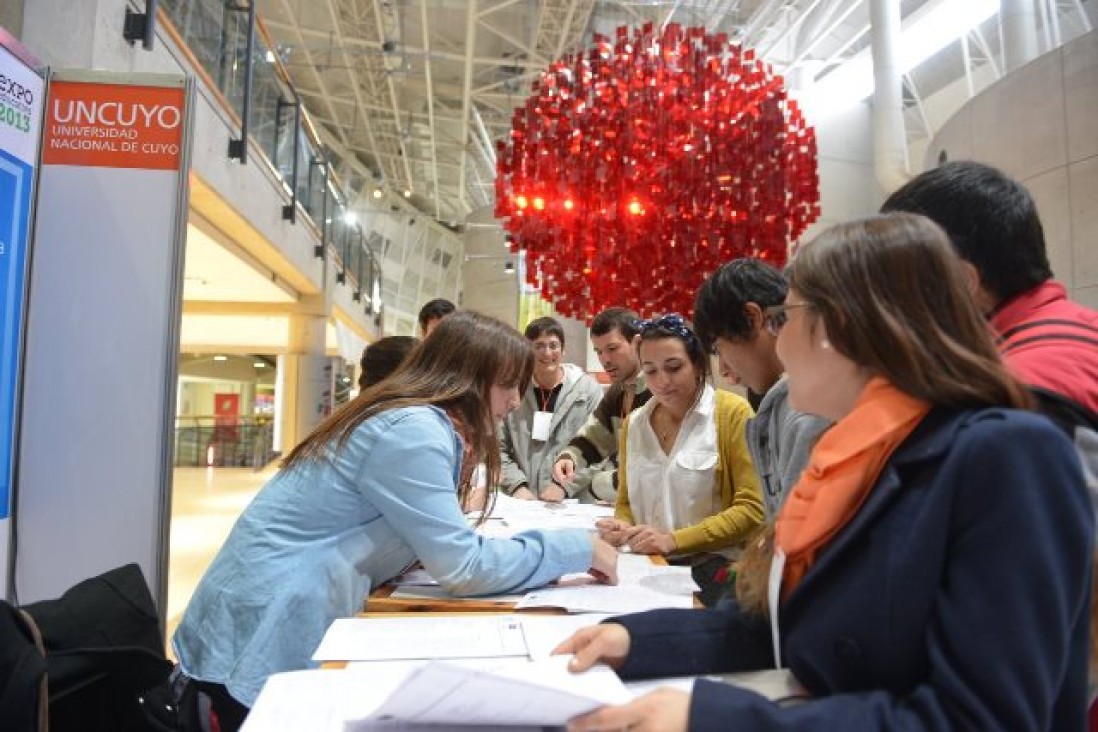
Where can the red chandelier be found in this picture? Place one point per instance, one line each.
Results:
(635, 169)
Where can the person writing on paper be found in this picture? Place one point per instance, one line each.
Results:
(376, 487)
(931, 568)
(560, 398)
(687, 488)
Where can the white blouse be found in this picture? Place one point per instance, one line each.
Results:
(671, 491)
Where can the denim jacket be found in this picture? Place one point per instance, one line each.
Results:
(320, 535)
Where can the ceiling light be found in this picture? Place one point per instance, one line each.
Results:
(259, 365)
(407, 193)
(350, 218)
(221, 358)
(378, 193)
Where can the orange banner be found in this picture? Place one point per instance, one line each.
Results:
(113, 126)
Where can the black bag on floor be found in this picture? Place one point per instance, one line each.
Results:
(22, 673)
(104, 649)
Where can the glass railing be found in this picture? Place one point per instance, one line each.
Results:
(216, 33)
(224, 441)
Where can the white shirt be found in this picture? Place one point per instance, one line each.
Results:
(672, 491)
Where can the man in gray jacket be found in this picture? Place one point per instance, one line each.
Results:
(556, 404)
(731, 320)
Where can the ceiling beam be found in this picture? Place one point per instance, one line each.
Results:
(430, 100)
(467, 95)
(409, 180)
(498, 7)
(338, 32)
(374, 48)
(326, 98)
(507, 37)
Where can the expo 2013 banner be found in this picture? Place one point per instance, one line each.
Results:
(21, 94)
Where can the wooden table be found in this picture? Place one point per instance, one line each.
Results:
(382, 601)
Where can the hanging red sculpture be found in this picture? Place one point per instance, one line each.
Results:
(638, 167)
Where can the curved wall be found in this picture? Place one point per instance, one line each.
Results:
(1040, 125)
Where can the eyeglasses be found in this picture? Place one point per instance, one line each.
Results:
(775, 316)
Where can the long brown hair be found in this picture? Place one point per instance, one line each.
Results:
(454, 369)
(894, 299)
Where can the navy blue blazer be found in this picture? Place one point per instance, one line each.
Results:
(957, 599)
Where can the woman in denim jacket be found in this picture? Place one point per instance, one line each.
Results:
(373, 489)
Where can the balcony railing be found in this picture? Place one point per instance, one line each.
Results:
(241, 442)
(258, 96)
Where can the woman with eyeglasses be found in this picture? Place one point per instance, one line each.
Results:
(687, 488)
(931, 568)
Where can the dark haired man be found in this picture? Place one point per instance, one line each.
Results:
(587, 467)
(730, 320)
(1048, 341)
(556, 404)
(432, 312)
(382, 357)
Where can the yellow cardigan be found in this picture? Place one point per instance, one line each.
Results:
(735, 478)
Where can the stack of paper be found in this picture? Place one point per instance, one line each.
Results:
(460, 696)
(511, 516)
(641, 586)
(448, 637)
(535, 693)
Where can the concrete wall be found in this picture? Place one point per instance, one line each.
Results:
(848, 186)
(1040, 125)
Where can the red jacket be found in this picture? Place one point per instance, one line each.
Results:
(1051, 342)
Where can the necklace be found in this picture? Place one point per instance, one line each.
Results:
(668, 431)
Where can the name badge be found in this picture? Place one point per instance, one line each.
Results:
(542, 422)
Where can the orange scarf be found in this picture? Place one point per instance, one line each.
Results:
(843, 467)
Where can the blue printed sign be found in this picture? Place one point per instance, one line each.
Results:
(21, 91)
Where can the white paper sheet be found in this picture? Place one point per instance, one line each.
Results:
(641, 586)
(373, 639)
(618, 600)
(542, 693)
(543, 633)
(299, 700)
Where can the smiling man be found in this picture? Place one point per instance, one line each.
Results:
(730, 319)
(556, 404)
(587, 468)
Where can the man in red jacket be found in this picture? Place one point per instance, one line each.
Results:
(1048, 341)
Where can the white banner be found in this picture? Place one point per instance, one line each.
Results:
(103, 333)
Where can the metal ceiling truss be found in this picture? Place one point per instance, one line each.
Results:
(413, 95)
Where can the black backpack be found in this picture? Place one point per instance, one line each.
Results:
(1081, 426)
(23, 692)
(103, 651)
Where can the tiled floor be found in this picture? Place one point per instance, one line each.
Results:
(205, 503)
